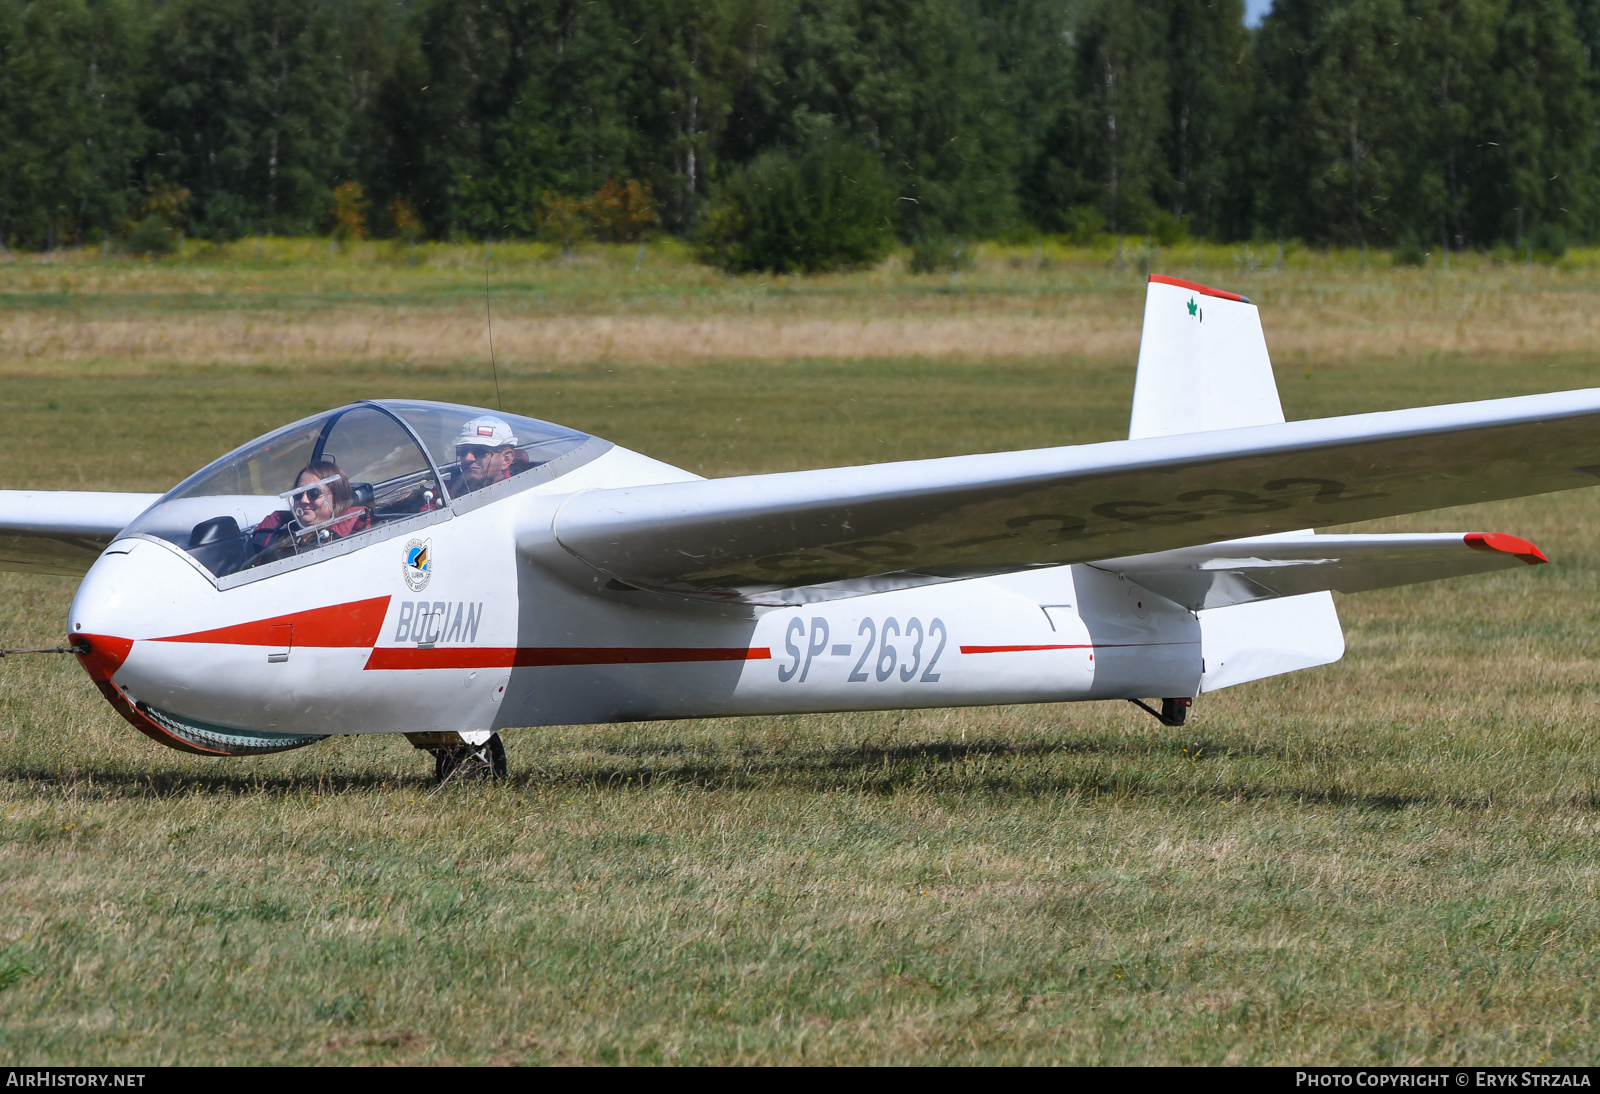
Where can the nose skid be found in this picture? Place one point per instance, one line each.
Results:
(101, 656)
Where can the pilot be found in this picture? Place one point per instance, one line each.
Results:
(486, 449)
(320, 512)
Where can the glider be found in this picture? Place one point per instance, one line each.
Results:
(445, 572)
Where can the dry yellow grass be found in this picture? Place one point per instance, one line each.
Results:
(1339, 330)
(443, 336)
(1013, 305)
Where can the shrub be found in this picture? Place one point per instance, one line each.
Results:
(1168, 230)
(932, 253)
(560, 219)
(618, 212)
(621, 212)
(1549, 241)
(824, 209)
(349, 212)
(1408, 252)
(152, 236)
(157, 220)
(407, 226)
(1082, 224)
(225, 216)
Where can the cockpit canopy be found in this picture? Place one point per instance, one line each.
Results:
(349, 476)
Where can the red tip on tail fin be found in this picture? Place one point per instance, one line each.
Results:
(1162, 279)
(1507, 545)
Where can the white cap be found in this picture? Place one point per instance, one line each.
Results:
(486, 432)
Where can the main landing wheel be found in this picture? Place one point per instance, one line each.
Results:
(470, 763)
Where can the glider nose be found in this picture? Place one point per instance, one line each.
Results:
(98, 623)
(132, 589)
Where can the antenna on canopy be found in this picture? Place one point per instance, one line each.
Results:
(489, 319)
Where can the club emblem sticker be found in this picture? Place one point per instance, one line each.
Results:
(418, 566)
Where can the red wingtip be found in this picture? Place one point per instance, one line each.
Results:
(1205, 290)
(1507, 545)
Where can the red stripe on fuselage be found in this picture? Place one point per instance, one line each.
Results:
(1023, 649)
(468, 657)
(339, 625)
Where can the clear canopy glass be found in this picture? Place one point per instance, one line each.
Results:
(447, 429)
(345, 475)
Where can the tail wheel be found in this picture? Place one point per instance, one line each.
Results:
(497, 757)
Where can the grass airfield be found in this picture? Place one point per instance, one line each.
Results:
(1391, 859)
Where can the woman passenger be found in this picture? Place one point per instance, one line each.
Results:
(320, 512)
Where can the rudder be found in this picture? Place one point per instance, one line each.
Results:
(1203, 365)
(1203, 362)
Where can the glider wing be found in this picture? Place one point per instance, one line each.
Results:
(810, 535)
(62, 531)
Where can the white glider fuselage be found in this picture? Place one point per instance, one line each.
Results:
(498, 636)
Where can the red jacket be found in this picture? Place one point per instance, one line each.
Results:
(275, 536)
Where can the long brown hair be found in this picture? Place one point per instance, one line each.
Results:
(339, 487)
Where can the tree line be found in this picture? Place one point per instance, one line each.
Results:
(1418, 123)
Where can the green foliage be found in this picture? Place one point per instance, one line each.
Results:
(1539, 104)
(822, 209)
(70, 129)
(251, 110)
(1081, 224)
(13, 970)
(159, 220)
(910, 79)
(1343, 122)
(152, 236)
(1333, 101)
(1408, 252)
(1118, 115)
(1168, 230)
(1458, 120)
(932, 253)
(1549, 241)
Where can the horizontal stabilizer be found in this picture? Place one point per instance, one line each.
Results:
(1243, 571)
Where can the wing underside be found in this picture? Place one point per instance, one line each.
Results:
(800, 536)
(62, 531)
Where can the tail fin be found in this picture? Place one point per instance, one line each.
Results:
(1203, 363)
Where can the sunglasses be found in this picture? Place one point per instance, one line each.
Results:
(310, 495)
(477, 452)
